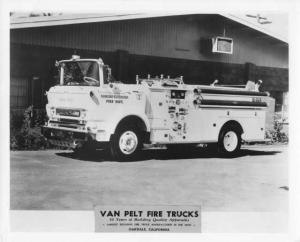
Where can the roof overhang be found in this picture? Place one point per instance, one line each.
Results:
(256, 26)
(42, 21)
(66, 19)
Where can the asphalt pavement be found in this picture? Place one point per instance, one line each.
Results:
(255, 181)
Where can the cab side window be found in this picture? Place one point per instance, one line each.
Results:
(105, 75)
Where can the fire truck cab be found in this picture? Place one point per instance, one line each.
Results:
(89, 107)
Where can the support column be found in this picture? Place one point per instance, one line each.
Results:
(250, 72)
(122, 57)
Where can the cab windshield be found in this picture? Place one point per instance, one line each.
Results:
(80, 73)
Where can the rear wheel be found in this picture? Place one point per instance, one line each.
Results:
(126, 143)
(230, 141)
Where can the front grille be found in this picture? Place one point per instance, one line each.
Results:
(68, 123)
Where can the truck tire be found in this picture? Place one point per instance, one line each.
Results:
(126, 144)
(229, 142)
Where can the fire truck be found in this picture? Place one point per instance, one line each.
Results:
(90, 108)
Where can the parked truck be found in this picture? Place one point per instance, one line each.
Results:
(89, 107)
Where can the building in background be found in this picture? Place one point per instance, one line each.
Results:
(142, 44)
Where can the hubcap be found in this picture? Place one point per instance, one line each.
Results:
(230, 141)
(128, 142)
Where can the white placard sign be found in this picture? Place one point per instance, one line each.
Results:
(148, 219)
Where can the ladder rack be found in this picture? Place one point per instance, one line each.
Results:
(160, 81)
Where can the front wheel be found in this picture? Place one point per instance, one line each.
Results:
(126, 143)
(230, 141)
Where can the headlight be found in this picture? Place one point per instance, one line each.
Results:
(83, 114)
(52, 111)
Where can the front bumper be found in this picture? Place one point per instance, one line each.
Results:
(66, 137)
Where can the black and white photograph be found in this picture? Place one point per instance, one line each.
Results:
(149, 122)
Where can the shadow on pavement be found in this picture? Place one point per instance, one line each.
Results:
(163, 154)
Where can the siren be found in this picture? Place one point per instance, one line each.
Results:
(75, 57)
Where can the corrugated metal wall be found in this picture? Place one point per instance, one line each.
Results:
(25, 91)
(174, 37)
(19, 92)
